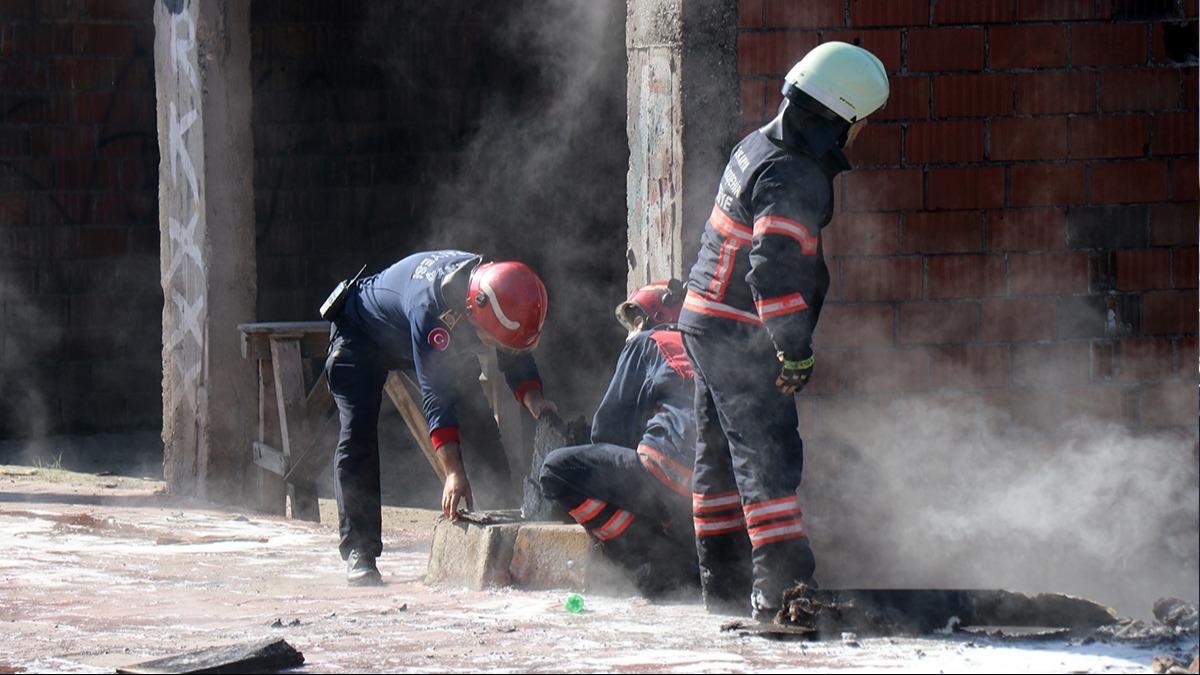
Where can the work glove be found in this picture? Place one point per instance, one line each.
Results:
(793, 374)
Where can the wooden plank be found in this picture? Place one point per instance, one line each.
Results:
(320, 413)
(270, 459)
(312, 345)
(405, 394)
(275, 327)
(264, 656)
(290, 396)
(270, 489)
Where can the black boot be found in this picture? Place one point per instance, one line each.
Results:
(361, 570)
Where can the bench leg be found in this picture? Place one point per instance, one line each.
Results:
(270, 487)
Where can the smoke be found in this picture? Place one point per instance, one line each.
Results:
(925, 493)
(538, 174)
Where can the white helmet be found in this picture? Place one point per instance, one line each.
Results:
(848, 80)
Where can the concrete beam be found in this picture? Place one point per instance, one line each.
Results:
(206, 220)
(683, 119)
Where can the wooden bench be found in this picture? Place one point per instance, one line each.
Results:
(294, 422)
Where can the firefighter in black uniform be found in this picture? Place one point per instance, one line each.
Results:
(753, 299)
(630, 486)
(433, 313)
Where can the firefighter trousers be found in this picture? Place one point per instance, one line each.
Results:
(356, 375)
(642, 522)
(750, 535)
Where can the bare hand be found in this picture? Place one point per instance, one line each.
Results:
(537, 405)
(457, 489)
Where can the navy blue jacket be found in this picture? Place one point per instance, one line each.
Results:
(761, 263)
(651, 399)
(402, 312)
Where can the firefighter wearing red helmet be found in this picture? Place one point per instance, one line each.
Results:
(432, 313)
(630, 487)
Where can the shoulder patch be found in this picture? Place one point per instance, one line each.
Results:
(439, 339)
(670, 345)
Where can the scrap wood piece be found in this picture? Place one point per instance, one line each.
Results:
(924, 611)
(771, 631)
(265, 656)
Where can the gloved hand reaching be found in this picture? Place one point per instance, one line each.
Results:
(794, 373)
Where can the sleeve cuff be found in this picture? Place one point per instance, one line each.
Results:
(524, 388)
(443, 435)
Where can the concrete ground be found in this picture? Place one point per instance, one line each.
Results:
(100, 572)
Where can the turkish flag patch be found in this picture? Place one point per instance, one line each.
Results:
(439, 339)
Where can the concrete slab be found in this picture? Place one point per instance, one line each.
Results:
(551, 555)
(470, 554)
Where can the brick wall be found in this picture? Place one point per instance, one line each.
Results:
(1020, 228)
(80, 302)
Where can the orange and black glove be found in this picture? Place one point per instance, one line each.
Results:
(793, 374)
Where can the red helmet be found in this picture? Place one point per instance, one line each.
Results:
(658, 301)
(508, 301)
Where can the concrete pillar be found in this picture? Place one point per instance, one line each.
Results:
(683, 120)
(206, 220)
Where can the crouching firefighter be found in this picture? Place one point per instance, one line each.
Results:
(630, 487)
(753, 299)
(432, 313)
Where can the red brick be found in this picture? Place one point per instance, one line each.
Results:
(1048, 184)
(1184, 185)
(884, 44)
(102, 242)
(62, 142)
(1173, 224)
(1184, 272)
(970, 367)
(772, 53)
(889, 12)
(1143, 269)
(968, 188)
(1174, 133)
(22, 76)
(1027, 46)
(1055, 363)
(754, 101)
(1056, 92)
(1169, 404)
(1048, 273)
(881, 279)
(1169, 312)
(940, 49)
(1043, 10)
(965, 276)
(750, 13)
(1188, 350)
(1027, 138)
(807, 14)
(1125, 182)
(1026, 229)
(899, 370)
(1145, 359)
(876, 144)
(908, 100)
(973, 95)
(938, 322)
(827, 375)
(14, 208)
(1141, 89)
(1108, 44)
(943, 142)
(1110, 136)
(973, 11)
(843, 326)
(883, 190)
(943, 232)
(1191, 87)
(103, 39)
(862, 234)
(120, 10)
(82, 74)
(1017, 319)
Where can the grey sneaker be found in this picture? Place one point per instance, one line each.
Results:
(361, 570)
